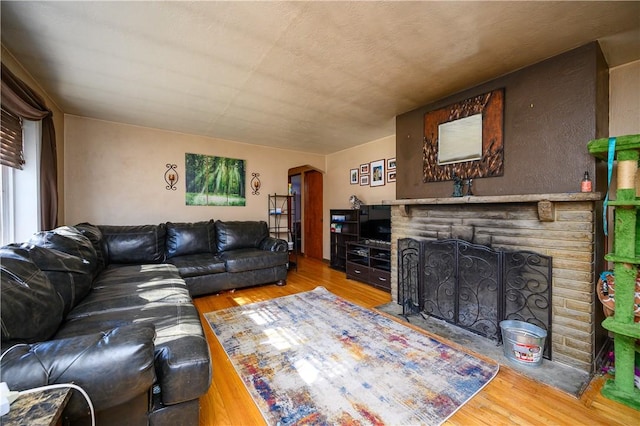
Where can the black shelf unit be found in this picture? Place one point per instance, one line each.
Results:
(369, 262)
(283, 224)
(345, 226)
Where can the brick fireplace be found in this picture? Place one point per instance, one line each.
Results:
(561, 226)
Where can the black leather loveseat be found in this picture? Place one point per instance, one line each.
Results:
(215, 256)
(106, 307)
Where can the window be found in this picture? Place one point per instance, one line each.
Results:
(20, 201)
(11, 140)
(7, 208)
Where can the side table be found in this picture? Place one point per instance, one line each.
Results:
(40, 408)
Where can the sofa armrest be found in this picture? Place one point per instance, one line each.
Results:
(274, 244)
(112, 367)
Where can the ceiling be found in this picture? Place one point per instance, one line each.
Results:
(316, 77)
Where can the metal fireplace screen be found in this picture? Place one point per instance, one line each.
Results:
(474, 286)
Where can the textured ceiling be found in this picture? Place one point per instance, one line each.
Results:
(310, 76)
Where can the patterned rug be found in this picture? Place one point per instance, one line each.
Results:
(314, 358)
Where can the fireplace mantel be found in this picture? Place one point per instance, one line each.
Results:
(546, 210)
(498, 199)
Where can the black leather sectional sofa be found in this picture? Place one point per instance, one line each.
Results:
(109, 308)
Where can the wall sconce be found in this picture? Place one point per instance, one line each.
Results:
(255, 183)
(171, 177)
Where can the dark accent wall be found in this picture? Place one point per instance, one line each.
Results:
(551, 111)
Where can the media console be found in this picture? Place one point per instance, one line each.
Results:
(345, 227)
(369, 261)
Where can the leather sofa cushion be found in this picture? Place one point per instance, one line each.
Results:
(194, 265)
(155, 295)
(234, 235)
(70, 275)
(251, 259)
(190, 238)
(121, 287)
(133, 244)
(93, 234)
(68, 240)
(274, 244)
(30, 308)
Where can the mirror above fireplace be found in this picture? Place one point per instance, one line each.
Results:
(460, 140)
(465, 139)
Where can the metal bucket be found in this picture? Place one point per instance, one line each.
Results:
(523, 342)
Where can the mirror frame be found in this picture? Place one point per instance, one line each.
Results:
(491, 106)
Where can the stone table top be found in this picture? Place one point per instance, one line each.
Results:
(40, 408)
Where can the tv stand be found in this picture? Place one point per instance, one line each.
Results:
(345, 226)
(376, 243)
(369, 261)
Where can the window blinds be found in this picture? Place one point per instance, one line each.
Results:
(11, 140)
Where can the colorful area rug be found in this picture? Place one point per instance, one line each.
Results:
(314, 358)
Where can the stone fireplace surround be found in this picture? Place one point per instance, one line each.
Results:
(558, 225)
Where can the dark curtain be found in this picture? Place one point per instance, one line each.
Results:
(19, 99)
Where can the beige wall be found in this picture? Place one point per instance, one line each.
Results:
(58, 121)
(115, 173)
(337, 188)
(624, 99)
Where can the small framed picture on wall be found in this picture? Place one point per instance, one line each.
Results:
(377, 173)
(391, 176)
(364, 180)
(364, 169)
(391, 163)
(354, 176)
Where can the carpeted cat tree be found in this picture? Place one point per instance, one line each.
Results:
(626, 258)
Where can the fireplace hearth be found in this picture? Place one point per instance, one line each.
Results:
(473, 286)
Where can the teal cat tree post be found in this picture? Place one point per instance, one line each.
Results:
(626, 258)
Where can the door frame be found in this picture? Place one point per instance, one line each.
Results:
(301, 170)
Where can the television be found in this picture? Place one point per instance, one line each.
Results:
(375, 223)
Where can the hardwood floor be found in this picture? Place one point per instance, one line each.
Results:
(509, 399)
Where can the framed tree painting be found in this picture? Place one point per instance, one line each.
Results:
(214, 181)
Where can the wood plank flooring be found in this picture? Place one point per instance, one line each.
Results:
(510, 399)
